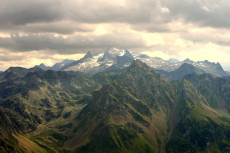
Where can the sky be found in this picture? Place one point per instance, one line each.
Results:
(48, 31)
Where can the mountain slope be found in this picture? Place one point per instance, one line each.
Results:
(140, 108)
(201, 128)
(43, 67)
(11, 139)
(215, 90)
(133, 109)
(60, 65)
(33, 97)
(126, 111)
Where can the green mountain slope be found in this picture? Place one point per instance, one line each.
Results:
(121, 113)
(140, 108)
(32, 97)
(201, 128)
(130, 110)
(215, 90)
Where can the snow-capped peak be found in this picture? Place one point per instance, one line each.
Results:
(187, 60)
(173, 60)
(100, 62)
(112, 51)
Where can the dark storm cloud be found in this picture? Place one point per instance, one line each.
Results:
(211, 13)
(36, 17)
(28, 15)
(64, 27)
(21, 12)
(102, 11)
(206, 13)
(73, 44)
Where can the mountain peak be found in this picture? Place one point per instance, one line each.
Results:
(42, 64)
(187, 60)
(144, 56)
(88, 55)
(186, 65)
(138, 64)
(173, 60)
(113, 52)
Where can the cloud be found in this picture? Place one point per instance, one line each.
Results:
(207, 13)
(22, 12)
(61, 27)
(208, 35)
(69, 45)
(90, 11)
(151, 13)
(152, 28)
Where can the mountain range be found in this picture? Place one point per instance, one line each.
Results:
(116, 102)
(114, 58)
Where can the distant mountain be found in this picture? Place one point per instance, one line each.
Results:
(14, 73)
(181, 72)
(43, 67)
(60, 65)
(228, 72)
(173, 60)
(208, 67)
(174, 64)
(160, 64)
(112, 59)
(57, 66)
(156, 62)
